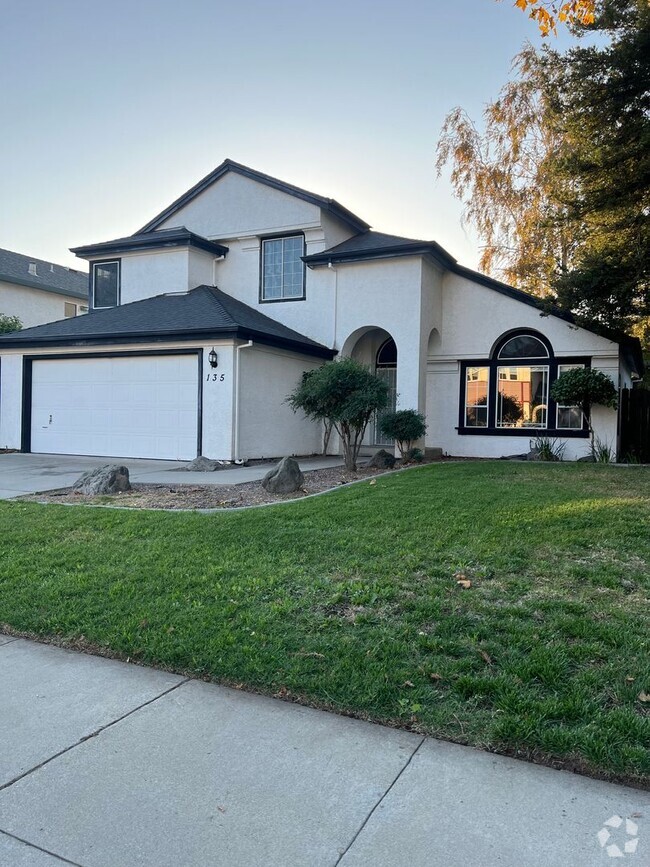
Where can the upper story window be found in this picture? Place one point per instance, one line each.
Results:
(106, 284)
(283, 271)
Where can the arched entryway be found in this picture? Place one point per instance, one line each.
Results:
(376, 348)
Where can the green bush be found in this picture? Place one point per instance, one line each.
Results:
(9, 324)
(345, 394)
(403, 426)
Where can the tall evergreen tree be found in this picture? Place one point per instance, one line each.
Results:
(601, 95)
(558, 183)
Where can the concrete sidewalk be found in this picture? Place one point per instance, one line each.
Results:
(31, 474)
(105, 764)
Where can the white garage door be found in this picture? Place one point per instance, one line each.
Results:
(132, 407)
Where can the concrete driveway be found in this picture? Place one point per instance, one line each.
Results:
(32, 473)
(106, 764)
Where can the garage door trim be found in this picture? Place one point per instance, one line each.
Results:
(26, 438)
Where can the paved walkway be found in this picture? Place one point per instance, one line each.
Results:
(31, 473)
(105, 764)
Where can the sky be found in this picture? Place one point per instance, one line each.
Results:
(112, 108)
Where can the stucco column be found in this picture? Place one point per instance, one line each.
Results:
(218, 416)
(411, 369)
(11, 397)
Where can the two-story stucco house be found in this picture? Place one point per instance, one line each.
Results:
(37, 291)
(203, 321)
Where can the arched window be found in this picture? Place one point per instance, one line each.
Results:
(510, 393)
(523, 346)
(386, 369)
(387, 354)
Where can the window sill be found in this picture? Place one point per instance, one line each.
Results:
(530, 432)
(279, 300)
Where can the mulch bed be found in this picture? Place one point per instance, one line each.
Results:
(211, 496)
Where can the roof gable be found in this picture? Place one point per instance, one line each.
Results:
(229, 166)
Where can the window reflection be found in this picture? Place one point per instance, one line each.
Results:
(522, 398)
(476, 396)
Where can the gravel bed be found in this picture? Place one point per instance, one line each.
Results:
(183, 496)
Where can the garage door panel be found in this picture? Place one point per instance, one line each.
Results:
(136, 406)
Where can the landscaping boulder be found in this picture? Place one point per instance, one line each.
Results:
(110, 479)
(587, 459)
(382, 460)
(284, 478)
(203, 465)
(522, 457)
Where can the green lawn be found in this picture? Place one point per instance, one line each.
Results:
(350, 601)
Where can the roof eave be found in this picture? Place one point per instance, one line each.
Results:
(238, 332)
(32, 284)
(108, 248)
(439, 256)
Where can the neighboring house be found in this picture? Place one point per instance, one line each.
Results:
(167, 365)
(37, 291)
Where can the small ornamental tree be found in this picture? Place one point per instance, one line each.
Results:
(404, 426)
(585, 387)
(346, 394)
(9, 323)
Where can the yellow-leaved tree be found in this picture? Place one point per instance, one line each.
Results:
(547, 13)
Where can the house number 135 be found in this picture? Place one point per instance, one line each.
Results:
(215, 377)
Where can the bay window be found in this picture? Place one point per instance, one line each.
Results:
(509, 393)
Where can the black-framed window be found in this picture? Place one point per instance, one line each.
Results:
(106, 284)
(509, 393)
(282, 269)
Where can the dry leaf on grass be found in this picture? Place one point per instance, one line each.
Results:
(435, 676)
(465, 583)
(644, 697)
(486, 656)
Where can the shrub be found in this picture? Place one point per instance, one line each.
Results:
(601, 451)
(9, 324)
(585, 387)
(346, 394)
(549, 449)
(403, 426)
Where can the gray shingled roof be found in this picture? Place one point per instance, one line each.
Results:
(179, 236)
(376, 245)
(204, 312)
(14, 268)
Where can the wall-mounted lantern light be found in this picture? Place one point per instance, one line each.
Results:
(212, 358)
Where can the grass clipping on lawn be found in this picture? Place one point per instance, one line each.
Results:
(502, 605)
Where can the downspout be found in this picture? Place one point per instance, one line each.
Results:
(235, 430)
(214, 268)
(336, 301)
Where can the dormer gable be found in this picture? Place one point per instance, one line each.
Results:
(223, 195)
(234, 201)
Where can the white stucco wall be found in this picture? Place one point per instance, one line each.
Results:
(146, 274)
(268, 426)
(236, 205)
(218, 402)
(11, 401)
(34, 306)
(473, 319)
(384, 294)
(201, 269)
